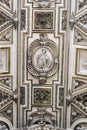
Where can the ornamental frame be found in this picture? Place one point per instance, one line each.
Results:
(52, 19)
(80, 68)
(42, 88)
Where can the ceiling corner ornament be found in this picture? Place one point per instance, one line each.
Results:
(42, 58)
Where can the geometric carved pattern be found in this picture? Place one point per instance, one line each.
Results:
(8, 112)
(42, 96)
(80, 100)
(75, 114)
(5, 20)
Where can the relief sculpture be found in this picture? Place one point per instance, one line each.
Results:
(42, 58)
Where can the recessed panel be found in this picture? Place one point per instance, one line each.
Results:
(42, 95)
(43, 20)
(4, 60)
(81, 66)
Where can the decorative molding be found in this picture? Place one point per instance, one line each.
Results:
(29, 52)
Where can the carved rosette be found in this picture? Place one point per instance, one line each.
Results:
(42, 58)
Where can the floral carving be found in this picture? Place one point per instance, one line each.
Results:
(42, 96)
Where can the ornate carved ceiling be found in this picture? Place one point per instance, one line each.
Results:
(42, 43)
(43, 64)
